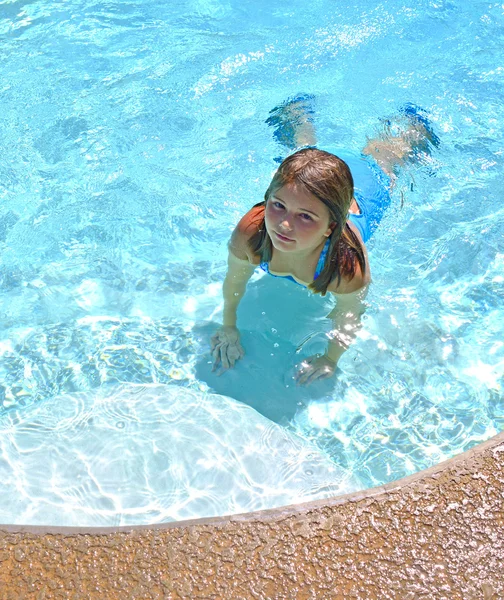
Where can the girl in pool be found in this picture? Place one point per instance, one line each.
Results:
(312, 227)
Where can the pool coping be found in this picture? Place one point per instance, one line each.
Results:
(496, 444)
(438, 533)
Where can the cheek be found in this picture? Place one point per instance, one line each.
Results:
(308, 227)
(270, 215)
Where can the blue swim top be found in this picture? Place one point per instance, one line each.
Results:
(320, 265)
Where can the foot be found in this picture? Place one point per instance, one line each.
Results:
(406, 138)
(293, 122)
(419, 120)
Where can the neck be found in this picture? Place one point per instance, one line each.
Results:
(294, 257)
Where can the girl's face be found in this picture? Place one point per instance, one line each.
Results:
(296, 220)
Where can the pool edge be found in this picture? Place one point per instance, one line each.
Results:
(438, 532)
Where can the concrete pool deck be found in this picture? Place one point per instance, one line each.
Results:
(436, 534)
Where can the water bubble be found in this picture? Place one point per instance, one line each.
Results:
(275, 345)
(273, 330)
(120, 424)
(309, 472)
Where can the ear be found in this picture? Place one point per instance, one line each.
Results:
(330, 230)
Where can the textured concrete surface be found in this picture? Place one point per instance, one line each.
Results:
(437, 534)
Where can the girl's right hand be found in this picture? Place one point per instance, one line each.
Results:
(226, 348)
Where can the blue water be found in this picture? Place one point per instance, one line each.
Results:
(133, 139)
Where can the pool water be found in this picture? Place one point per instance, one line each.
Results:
(133, 140)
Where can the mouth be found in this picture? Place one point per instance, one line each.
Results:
(283, 238)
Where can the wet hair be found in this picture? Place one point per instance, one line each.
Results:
(328, 178)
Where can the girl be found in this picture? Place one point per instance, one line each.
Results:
(312, 227)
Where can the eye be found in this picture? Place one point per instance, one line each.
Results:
(306, 217)
(277, 204)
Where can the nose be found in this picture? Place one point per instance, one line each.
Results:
(285, 225)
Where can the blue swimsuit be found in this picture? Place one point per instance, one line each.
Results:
(320, 265)
(371, 191)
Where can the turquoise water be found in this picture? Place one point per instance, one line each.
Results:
(133, 139)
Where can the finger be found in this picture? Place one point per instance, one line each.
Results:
(311, 374)
(318, 375)
(214, 343)
(224, 357)
(304, 367)
(298, 375)
(314, 376)
(233, 356)
(303, 376)
(216, 355)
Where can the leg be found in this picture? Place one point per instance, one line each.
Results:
(293, 122)
(413, 136)
(389, 153)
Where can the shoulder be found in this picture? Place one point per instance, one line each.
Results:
(251, 222)
(248, 226)
(349, 286)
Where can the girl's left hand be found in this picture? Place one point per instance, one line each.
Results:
(315, 368)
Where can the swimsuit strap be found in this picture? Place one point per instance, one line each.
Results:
(322, 259)
(265, 267)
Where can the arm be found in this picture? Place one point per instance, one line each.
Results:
(225, 343)
(346, 319)
(238, 273)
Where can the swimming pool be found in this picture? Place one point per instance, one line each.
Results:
(133, 139)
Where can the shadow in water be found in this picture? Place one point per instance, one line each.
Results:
(280, 325)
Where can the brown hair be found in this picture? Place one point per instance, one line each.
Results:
(328, 178)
